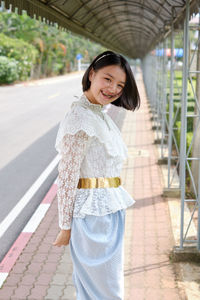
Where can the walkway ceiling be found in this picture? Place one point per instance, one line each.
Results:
(129, 27)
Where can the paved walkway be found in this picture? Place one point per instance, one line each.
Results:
(44, 272)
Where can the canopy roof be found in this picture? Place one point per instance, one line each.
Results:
(129, 27)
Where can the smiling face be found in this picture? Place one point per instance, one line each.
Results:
(106, 84)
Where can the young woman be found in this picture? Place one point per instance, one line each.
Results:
(91, 199)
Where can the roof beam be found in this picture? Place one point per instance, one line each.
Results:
(115, 4)
(97, 24)
(122, 33)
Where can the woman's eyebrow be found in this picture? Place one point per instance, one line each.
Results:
(113, 77)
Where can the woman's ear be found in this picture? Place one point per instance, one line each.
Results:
(91, 74)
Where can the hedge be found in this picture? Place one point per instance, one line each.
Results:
(8, 70)
(22, 52)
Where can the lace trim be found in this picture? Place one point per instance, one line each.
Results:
(73, 149)
(87, 103)
(82, 118)
(101, 201)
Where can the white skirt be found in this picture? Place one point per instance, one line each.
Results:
(96, 247)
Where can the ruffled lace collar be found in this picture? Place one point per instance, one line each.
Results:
(87, 103)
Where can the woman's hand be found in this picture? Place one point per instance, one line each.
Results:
(62, 238)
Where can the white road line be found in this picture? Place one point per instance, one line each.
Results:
(36, 218)
(54, 96)
(3, 277)
(5, 224)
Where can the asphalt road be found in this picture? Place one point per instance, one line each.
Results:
(29, 118)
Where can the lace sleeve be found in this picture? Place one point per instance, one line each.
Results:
(73, 148)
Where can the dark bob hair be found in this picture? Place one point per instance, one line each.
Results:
(130, 98)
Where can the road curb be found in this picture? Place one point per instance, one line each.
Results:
(16, 249)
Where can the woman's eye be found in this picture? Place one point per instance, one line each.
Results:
(108, 79)
(120, 86)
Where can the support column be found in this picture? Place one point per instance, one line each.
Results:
(164, 75)
(198, 200)
(171, 104)
(184, 119)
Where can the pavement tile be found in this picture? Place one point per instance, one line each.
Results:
(70, 280)
(49, 267)
(168, 282)
(38, 292)
(45, 225)
(153, 293)
(167, 270)
(23, 291)
(65, 268)
(43, 279)
(59, 250)
(6, 292)
(150, 233)
(35, 239)
(48, 240)
(137, 294)
(24, 258)
(138, 260)
(60, 279)
(54, 257)
(30, 248)
(28, 279)
(48, 223)
(39, 258)
(34, 268)
(137, 279)
(53, 233)
(20, 268)
(152, 280)
(13, 279)
(69, 293)
(41, 231)
(44, 248)
(151, 249)
(153, 259)
(151, 242)
(171, 294)
(54, 292)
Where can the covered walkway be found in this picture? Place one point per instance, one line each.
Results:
(131, 27)
(161, 164)
(45, 272)
(149, 31)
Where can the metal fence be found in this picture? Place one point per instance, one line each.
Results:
(173, 89)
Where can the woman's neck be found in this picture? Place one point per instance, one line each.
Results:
(91, 99)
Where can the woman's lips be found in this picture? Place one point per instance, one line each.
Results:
(107, 95)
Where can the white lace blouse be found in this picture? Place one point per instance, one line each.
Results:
(90, 145)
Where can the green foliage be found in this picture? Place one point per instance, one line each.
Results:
(178, 39)
(190, 111)
(8, 70)
(56, 49)
(18, 26)
(189, 136)
(177, 124)
(22, 52)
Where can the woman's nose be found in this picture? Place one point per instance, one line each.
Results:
(113, 88)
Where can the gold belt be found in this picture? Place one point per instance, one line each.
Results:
(100, 182)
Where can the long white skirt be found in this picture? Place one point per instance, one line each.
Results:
(96, 247)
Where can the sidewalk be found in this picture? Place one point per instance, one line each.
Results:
(44, 272)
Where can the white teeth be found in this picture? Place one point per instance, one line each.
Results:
(110, 96)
